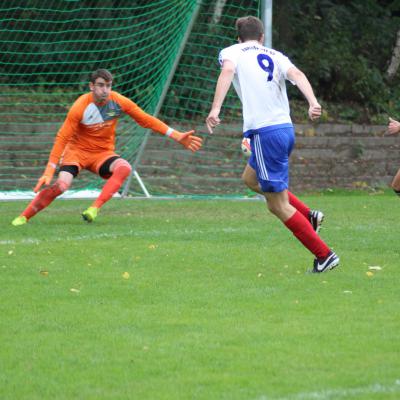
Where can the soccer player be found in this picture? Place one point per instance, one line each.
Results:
(86, 140)
(394, 129)
(258, 75)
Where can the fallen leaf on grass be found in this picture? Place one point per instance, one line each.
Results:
(375, 267)
(126, 275)
(369, 273)
(44, 273)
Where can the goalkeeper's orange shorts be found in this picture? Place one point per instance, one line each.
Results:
(92, 161)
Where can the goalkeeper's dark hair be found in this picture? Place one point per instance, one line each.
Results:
(249, 28)
(101, 73)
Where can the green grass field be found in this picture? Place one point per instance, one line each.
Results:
(195, 299)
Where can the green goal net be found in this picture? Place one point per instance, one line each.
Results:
(217, 168)
(163, 54)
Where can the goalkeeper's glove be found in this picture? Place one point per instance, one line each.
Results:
(186, 139)
(47, 176)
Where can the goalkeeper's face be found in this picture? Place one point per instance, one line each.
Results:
(101, 89)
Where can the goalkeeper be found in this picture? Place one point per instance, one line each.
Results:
(86, 140)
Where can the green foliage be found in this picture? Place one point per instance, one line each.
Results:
(344, 47)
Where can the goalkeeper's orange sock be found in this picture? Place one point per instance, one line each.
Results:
(44, 198)
(303, 230)
(122, 170)
(298, 204)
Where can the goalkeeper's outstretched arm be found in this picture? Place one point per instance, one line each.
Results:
(186, 139)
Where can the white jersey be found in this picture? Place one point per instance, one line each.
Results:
(259, 81)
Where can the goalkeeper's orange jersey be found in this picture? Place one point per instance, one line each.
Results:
(90, 127)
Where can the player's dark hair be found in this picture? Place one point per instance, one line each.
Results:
(101, 73)
(249, 28)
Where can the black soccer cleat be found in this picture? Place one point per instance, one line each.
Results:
(326, 264)
(316, 218)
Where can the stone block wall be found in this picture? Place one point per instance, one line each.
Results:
(344, 156)
(325, 156)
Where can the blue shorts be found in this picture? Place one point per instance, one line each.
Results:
(270, 150)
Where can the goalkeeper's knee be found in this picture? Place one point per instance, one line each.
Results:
(122, 169)
(59, 187)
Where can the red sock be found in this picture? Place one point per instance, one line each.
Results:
(302, 229)
(121, 172)
(298, 204)
(44, 198)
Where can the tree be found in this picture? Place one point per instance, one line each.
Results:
(395, 60)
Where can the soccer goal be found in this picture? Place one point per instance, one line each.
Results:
(163, 55)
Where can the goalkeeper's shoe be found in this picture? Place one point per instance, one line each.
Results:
(21, 220)
(326, 264)
(316, 218)
(90, 214)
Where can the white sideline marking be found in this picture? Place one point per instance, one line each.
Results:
(133, 233)
(93, 194)
(334, 394)
(69, 194)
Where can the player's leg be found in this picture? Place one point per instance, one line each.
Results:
(294, 220)
(315, 217)
(272, 151)
(302, 229)
(45, 197)
(396, 183)
(249, 177)
(116, 170)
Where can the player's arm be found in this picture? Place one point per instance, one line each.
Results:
(299, 78)
(223, 84)
(64, 134)
(186, 139)
(393, 126)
